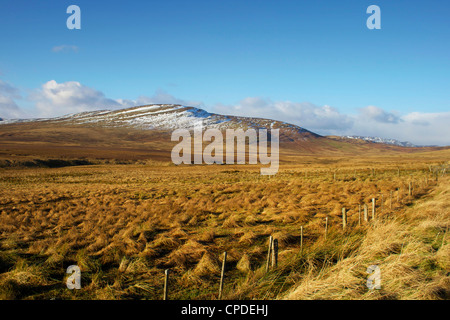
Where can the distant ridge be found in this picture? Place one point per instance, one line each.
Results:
(385, 141)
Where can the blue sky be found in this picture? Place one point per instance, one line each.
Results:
(316, 59)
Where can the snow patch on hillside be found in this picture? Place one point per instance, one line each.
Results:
(383, 140)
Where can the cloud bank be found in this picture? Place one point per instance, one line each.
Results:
(56, 99)
(8, 107)
(305, 114)
(417, 127)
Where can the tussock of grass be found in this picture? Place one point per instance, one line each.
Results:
(207, 236)
(208, 264)
(244, 264)
(187, 254)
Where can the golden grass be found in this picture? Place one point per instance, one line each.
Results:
(124, 224)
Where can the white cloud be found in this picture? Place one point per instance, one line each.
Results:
(379, 115)
(8, 107)
(417, 127)
(65, 48)
(326, 119)
(56, 99)
(8, 90)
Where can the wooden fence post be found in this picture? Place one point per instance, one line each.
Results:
(410, 189)
(222, 274)
(366, 215)
(301, 239)
(390, 200)
(166, 283)
(359, 216)
(269, 253)
(373, 208)
(274, 253)
(326, 227)
(344, 219)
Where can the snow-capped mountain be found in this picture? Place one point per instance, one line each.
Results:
(164, 117)
(383, 140)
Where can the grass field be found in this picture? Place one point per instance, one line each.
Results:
(123, 225)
